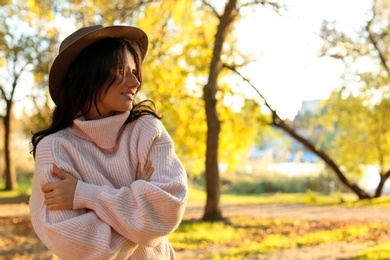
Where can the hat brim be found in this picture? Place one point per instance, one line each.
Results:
(65, 58)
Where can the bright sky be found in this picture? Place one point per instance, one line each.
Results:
(288, 70)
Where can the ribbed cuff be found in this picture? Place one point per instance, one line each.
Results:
(85, 195)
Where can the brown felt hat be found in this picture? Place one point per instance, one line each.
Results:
(75, 43)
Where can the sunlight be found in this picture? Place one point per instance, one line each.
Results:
(287, 69)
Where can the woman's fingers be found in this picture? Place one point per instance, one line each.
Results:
(60, 194)
(49, 195)
(60, 173)
(149, 173)
(146, 172)
(138, 175)
(47, 187)
(148, 164)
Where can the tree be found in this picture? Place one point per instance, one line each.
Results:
(175, 73)
(181, 39)
(276, 121)
(212, 210)
(360, 128)
(22, 52)
(359, 110)
(359, 122)
(224, 28)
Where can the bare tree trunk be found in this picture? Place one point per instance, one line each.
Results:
(213, 210)
(379, 189)
(9, 171)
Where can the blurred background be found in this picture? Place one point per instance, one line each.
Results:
(261, 97)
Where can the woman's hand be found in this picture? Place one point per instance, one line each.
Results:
(60, 195)
(146, 173)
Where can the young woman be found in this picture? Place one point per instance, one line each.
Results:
(108, 183)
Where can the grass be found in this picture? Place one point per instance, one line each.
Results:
(24, 187)
(380, 252)
(196, 235)
(9, 194)
(252, 238)
(311, 198)
(197, 196)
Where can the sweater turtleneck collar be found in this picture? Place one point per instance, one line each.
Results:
(103, 132)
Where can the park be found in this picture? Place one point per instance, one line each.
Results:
(278, 111)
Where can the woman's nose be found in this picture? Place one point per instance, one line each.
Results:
(133, 81)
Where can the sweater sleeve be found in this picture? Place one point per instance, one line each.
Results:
(145, 212)
(71, 234)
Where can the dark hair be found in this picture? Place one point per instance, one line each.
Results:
(91, 75)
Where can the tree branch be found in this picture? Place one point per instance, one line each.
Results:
(212, 8)
(375, 42)
(263, 2)
(386, 175)
(16, 79)
(233, 68)
(2, 93)
(278, 122)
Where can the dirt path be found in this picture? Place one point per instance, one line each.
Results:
(298, 211)
(18, 241)
(329, 251)
(294, 211)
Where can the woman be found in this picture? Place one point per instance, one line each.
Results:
(95, 193)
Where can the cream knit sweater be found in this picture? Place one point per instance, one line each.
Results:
(114, 215)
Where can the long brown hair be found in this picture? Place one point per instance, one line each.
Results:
(89, 76)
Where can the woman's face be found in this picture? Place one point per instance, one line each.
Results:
(120, 95)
